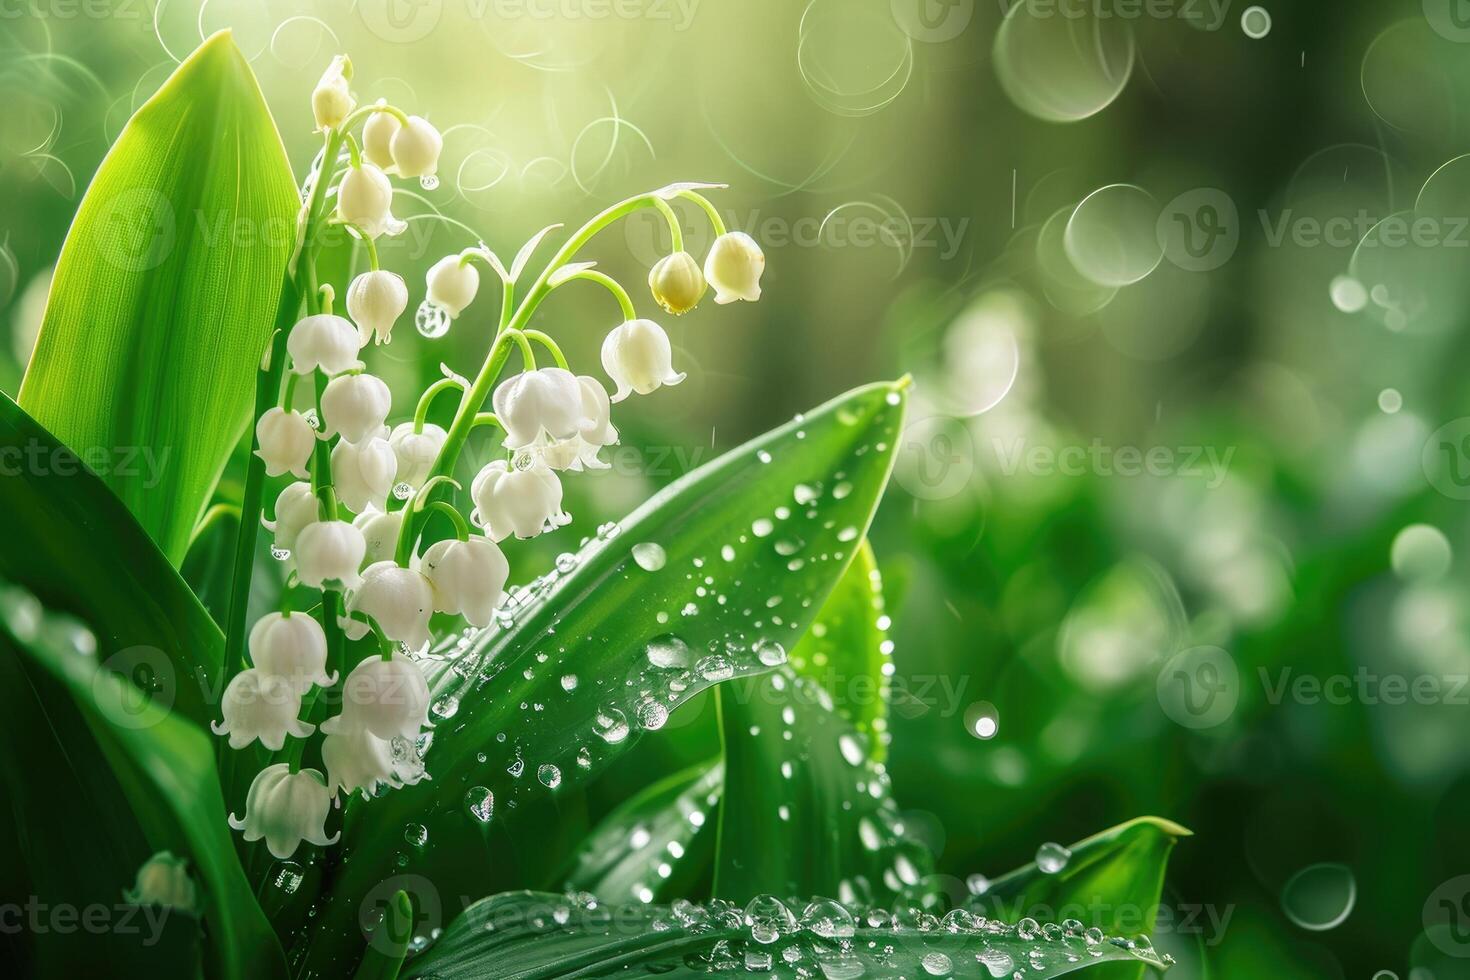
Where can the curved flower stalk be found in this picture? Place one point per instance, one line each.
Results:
(356, 522)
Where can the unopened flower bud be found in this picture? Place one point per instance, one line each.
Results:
(638, 357)
(400, 600)
(286, 808)
(164, 880)
(377, 138)
(375, 301)
(677, 283)
(453, 284)
(734, 266)
(365, 199)
(331, 102)
(323, 341)
(355, 405)
(329, 553)
(416, 451)
(523, 502)
(286, 440)
(292, 646)
(468, 577)
(380, 531)
(416, 148)
(363, 472)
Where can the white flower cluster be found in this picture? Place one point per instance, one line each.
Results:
(352, 521)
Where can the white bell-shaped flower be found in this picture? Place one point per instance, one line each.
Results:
(734, 266)
(596, 430)
(677, 283)
(468, 577)
(365, 199)
(523, 502)
(356, 406)
(377, 139)
(537, 408)
(293, 646)
(452, 284)
(357, 760)
(389, 698)
(363, 472)
(286, 441)
(324, 341)
(296, 507)
(400, 600)
(416, 451)
(286, 808)
(261, 706)
(164, 880)
(380, 531)
(331, 102)
(329, 553)
(638, 357)
(375, 301)
(416, 148)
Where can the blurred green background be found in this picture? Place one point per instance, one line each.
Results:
(1184, 285)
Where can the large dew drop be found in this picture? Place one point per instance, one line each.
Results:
(649, 556)
(481, 803)
(1320, 897)
(1052, 858)
(431, 320)
(611, 725)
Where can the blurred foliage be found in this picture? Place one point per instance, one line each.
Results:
(1291, 390)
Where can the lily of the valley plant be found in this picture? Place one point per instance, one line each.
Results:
(368, 473)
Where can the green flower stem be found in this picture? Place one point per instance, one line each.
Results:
(709, 209)
(354, 155)
(365, 239)
(545, 341)
(499, 353)
(528, 354)
(362, 112)
(625, 303)
(290, 394)
(676, 231)
(486, 418)
(267, 390)
(421, 414)
(461, 529)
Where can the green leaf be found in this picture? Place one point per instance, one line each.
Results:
(689, 580)
(1112, 881)
(530, 936)
(126, 782)
(79, 551)
(164, 294)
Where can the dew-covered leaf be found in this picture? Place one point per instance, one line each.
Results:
(165, 291)
(530, 936)
(699, 585)
(108, 779)
(1111, 881)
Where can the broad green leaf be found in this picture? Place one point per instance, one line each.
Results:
(530, 936)
(164, 294)
(76, 547)
(656, 846)
(132, 779)
(714, 577)
(1111, 881)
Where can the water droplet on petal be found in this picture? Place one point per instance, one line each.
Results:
(431, 320)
